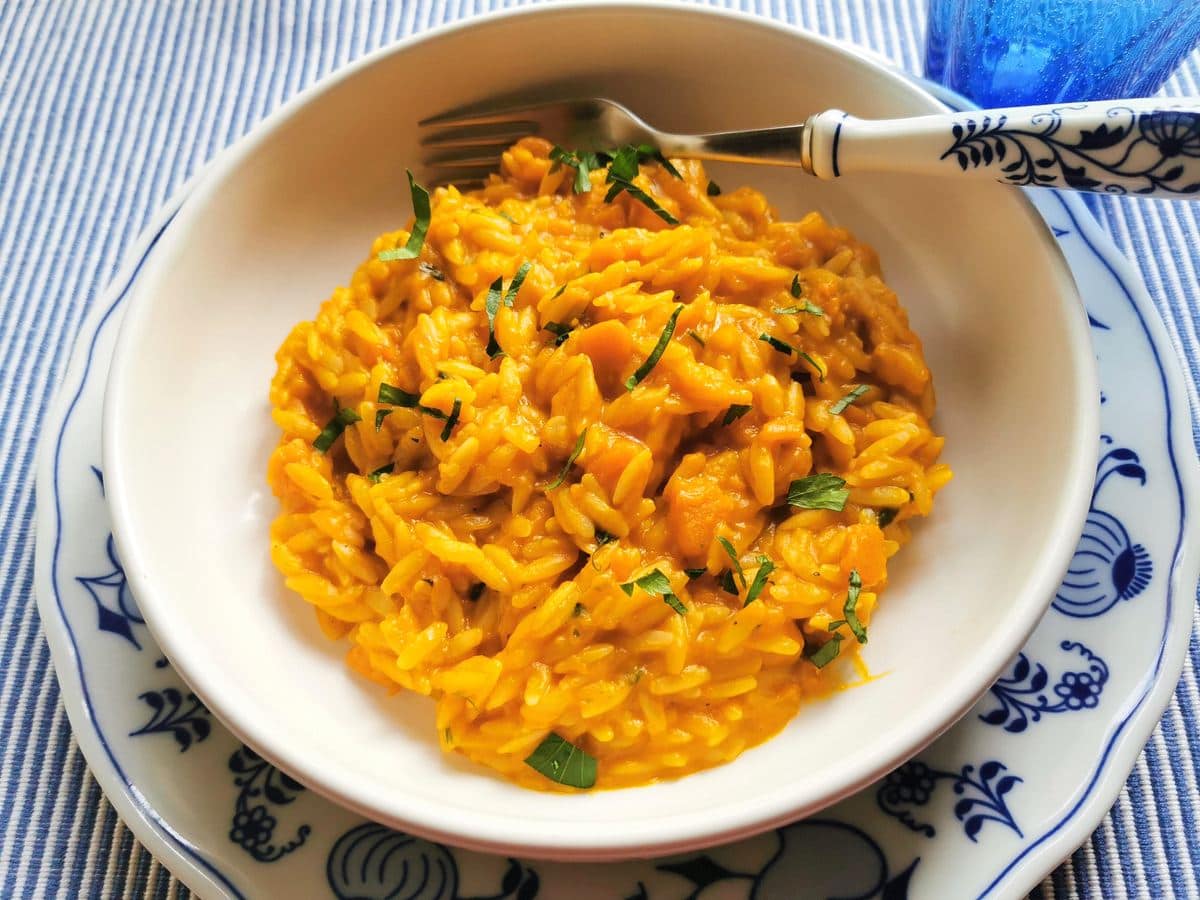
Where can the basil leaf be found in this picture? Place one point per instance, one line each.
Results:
(725, 580)
(765, 568)
(693, 574)
(811, 308)
(334, 428)
(782, 346)
(653, 582)
(826, 653)
(735, 412)
(452, 420)
(432, 271)
(380, 415)
(886, 516)
(675, 603)
(421, 214)
(566, 469)
(796, 287)
(491, 306)
(561, 332)
(560, 760)
(841, 405)
(395, 396)
(821, 491)
(638, 194)
(656, 354)
(510, 296)
(381, 471)
(691, 332)
(737, 563)
(582, 163)
(713, 189)
(835, 625)
(812, 362)
(860, 632)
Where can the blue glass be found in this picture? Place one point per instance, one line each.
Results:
(1025, 52)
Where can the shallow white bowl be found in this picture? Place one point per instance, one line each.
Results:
(287, 214)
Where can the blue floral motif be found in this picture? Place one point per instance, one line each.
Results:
(1135, 148)
(115, 609)
(263, 787)
(1108, 566)
(914, 783)
(1024, 695)
(812, 858)
(371, 862)
(185, 719)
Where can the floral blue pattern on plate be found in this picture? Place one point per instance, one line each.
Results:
(978, 813)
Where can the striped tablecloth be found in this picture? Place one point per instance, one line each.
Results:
(105, 108)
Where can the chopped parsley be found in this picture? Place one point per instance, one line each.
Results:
(765, 568)
(737, 563)
(380, 472)
(781, 346)
(582, 163)
(826, 653)
(735, 412)
(693, 574)
(560, 760)
(421, 214)
(566, 469)
(624, 168)
(452, 420)
(886, 516)
(713, 189)
(334, 428)
(497, 295)
(475, 591)
(656, 354)
(656, 584)
(691, 332)
(841, 405)
(561, 332)
(603, 537)
(860, 632)
(821, 491)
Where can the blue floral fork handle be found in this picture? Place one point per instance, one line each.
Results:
(1145, 147)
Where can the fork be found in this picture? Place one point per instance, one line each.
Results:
(1144, 147)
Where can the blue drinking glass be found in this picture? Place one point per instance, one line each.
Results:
(1028, 52)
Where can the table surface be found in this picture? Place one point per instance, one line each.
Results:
(106, 108)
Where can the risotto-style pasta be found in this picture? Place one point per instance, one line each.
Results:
(611, 468)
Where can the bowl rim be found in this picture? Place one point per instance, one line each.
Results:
(651, 836)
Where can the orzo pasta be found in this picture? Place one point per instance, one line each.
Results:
(541, 471)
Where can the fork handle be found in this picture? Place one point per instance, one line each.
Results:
(1145, 147)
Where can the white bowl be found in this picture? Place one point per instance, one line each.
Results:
(285, 216)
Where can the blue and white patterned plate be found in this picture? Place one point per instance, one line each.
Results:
(987, 810)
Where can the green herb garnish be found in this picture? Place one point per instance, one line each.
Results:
(561, 332)
(432, 271)
(797, 288)
(560, 760)
(725, 580)
(691, 332)
(380, 472)
(713, 189)
(655, 583)
(675, 603)
(835, 625)
(765, 568)
(812, 362)
(737, 563)
(566, 469)
(886, 516)
(452, 420)
(821, 491)
(394, 396)
(475, 591)
(416, 238)
(656, 354)
(380, 415)
(860, 632)
(624, 168)
(735, 412)
(693, 574)
(811, 308)
(841, 405)
(334, 428)
(582, 163)
(826, 653)
(497, 295)
(782, 346)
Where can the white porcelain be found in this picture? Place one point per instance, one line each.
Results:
(284, 216)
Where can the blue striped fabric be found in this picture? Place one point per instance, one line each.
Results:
(105, 108)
